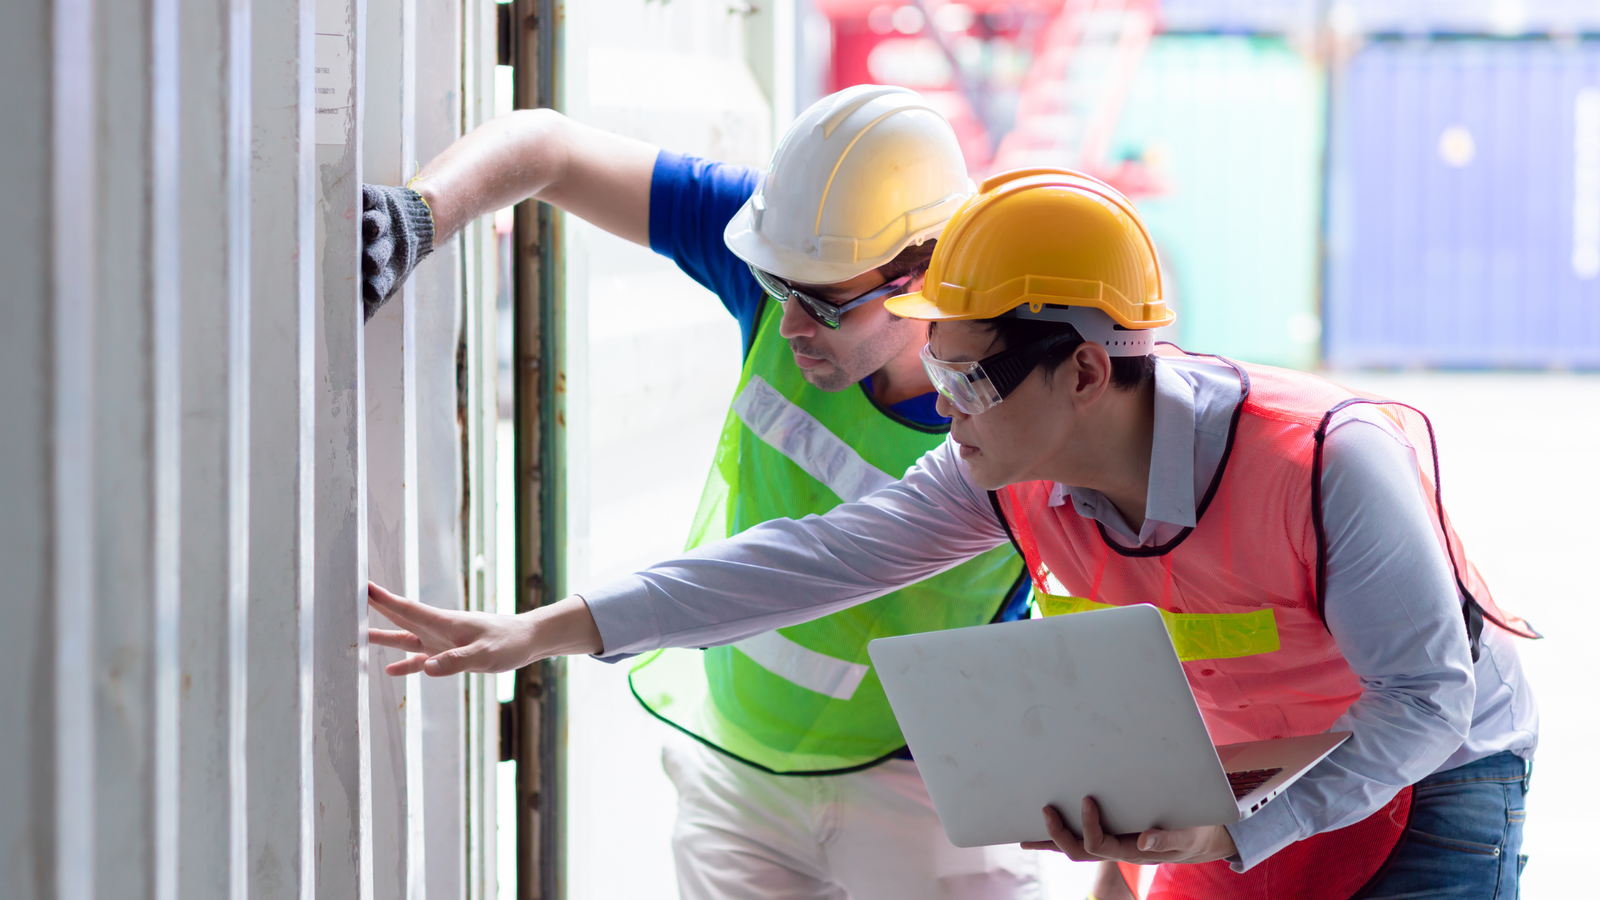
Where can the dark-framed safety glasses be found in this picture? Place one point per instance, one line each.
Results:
(973, 387)
(825, 312)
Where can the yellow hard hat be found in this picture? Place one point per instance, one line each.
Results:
(1042, 237)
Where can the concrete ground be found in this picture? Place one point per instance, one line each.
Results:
(1521, 476)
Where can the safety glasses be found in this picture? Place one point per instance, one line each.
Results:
(973, 387)
(823, 311)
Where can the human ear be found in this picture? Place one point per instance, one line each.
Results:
(1091, 370)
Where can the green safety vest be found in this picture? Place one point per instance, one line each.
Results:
(804, 699)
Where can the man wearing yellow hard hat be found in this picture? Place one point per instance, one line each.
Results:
(833, 403)
(1127, 473)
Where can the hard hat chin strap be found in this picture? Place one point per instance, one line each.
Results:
(1096, 326)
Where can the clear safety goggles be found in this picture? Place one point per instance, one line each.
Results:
(975, 386)
(825, 312)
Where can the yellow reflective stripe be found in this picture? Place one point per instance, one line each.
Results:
(1194, 635)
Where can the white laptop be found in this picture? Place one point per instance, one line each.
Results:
(1004, 719)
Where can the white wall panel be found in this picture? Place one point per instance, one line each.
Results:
(438, 285)
(213, 514)
(341, 760)
(479, 266)
(282, 854)
(388, 146)
(27, 514)
(133, 446)
(73, 246)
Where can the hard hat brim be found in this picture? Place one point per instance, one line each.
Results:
(745, 242)
(916, 305)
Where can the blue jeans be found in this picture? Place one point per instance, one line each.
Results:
(1464, 841)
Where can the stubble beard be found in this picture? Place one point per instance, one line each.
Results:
(872, 354)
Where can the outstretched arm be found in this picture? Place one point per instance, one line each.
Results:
(787, 571)
(601, 177)
(444, 642)
(782, 572)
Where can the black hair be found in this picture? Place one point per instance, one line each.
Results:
(913, 260)
(1127, 372)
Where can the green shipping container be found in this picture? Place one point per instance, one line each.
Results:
(1233, 127)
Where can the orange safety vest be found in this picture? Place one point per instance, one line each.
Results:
(1258, 543)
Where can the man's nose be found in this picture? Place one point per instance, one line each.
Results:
(796, 322)
(945, 408)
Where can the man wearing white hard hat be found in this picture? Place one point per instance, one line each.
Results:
(793, 777)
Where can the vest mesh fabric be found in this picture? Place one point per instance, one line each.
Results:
(723, 696)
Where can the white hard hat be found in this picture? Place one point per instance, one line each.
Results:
(861, 175)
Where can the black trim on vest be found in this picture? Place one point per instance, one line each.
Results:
(749, 343)
(1216, 478)
(994, 501)
(1472, 612)
(1022, 576)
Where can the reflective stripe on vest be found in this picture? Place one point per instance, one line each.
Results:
(797, 434)
(1194, 635)
(811, 670)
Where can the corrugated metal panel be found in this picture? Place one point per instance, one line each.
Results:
(1271, 16)
(186, 466)
(1233, 127)
(1500, 17)
(1465, 206)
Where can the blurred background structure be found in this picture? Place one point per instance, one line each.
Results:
(206, 452)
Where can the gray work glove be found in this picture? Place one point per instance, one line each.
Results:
(396, 233)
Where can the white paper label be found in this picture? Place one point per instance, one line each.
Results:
(334, 89)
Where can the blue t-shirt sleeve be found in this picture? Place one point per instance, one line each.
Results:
(691, 202)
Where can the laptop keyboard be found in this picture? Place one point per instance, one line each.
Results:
(1245, 782)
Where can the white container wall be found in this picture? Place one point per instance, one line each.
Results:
(207, 454)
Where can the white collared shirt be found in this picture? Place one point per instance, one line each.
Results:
(1180, 467)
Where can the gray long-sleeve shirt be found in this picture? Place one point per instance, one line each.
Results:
(1391, 603)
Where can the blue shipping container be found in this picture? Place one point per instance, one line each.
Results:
(1480, 17)
(1464, 206)
(1497, 17)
